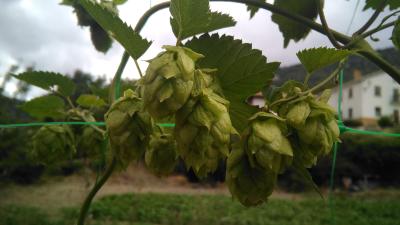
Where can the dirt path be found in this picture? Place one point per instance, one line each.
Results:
(70, 191)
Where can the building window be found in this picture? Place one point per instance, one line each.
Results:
(396, 96)
(350, 113)
(351, 93)
(378, 112)
(396, 116)
(378, 91)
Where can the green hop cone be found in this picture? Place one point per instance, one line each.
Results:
(129, 128)
(251, 185)
(91, 142)
(266, 144)
(319, 132)
(169, 81)
(161, 156)
(298, 113)
(53, 144)
(203, 130)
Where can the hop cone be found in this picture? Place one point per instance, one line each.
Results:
(251, 185)
(52, 144)
(317, 129)
(161, 156)
(203, 129)
(91, 142)
(169, 81)
(128, 128)
(266, 144)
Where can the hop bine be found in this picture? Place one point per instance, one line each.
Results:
(53, 144)
(129, 128)
(169, 81)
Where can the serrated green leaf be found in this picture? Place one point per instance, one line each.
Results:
(253, 9)
(317, 58)
(45, 106)
(119, 2)
(48, 81)
(191, 17)
(374, 4)
(100, 38)
(242, 71)
(291, 29)
(133, 43)
(396, 34)
(90, 101)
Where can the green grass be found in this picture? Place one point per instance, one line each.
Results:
(151, 209)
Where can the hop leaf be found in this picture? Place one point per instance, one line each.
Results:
(128, 128)
(53, 144)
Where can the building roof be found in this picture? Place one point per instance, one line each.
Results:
(297, 72)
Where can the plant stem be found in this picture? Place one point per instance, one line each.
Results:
(86, 205)
(377, 29)
(379, 61)
(326, 80)
(372, 19)
(138, 68)
(328, 32)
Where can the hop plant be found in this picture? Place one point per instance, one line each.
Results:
(169, 81)
(266, 144)
(161, 156)
(52, 144)
(128, 128)
(203, 129)
(250, 184)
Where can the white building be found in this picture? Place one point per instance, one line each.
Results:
(368, 98)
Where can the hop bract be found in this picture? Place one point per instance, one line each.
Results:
(161, 156)
(52, 144)
(251, 185)
(169, 81)
(203, 129)
(266, 144)
(128, 128)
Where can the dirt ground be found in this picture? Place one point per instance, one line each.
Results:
(69, 191)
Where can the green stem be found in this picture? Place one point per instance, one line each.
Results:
(377, 29)
(382, 63)
(138, 68)
(328, 32)
(372, 19)
(328, 79)
(86, 205)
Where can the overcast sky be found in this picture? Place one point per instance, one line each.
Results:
(45, 34)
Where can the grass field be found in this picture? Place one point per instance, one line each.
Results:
(377, 209)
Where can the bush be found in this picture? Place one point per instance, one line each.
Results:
(385, 121)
